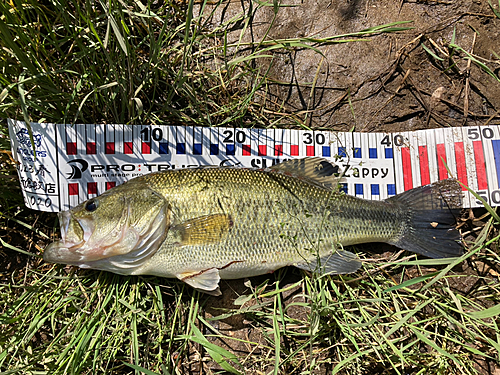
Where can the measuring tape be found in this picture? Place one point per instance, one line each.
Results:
(76, 162)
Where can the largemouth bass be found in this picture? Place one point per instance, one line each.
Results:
(204, 224)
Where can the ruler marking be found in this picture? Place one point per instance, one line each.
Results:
(214, 141)
(293, 142)
(118, 138)
(81, 138)
(225, 142)
(163, 148)
(90, 136)
(278, 142)
(146, 148)
(469, 166)
(109, 137)
(306, 140)
(368, 166)
(326, 151)
(441, 153)
(430, 142)
(262, 150)
(278, 150)
(482, 181)
(496, 152)
(170, 141)
(492, 166)
(377, 165)
(71, 147)
(161, 138)
(198, 140)
(360, 190)
(349, 149)
(189, 159)
(262, 144)
(319, 142)
(245, 141)
(412, 140)
(357, 152)
(399, 165)
(450, 152)
(145, 139)
(269, 134)
(377, 142)
(180, 140)
(342, 159)
(72, 188)
(92, 189)
(407, 173)
(128, 138)
(239, 138)
(461, 163)
(369, 150)
(470, 162)
(329, 146)
(424, 165)
(205, 142)
(461, 170)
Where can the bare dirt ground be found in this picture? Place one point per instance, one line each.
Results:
(390, 79)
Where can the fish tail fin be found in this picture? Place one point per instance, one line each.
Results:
(432, 212)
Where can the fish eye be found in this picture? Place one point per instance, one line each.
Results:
(91, 205)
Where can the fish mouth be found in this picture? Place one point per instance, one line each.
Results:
(58, 252)
(65, 250)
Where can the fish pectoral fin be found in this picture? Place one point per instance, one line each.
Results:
(204, 229)
(316, 171)
(340, 262)
(206, 281)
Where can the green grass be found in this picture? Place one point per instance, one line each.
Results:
(56, 321)
(119, 62)
(156, 63)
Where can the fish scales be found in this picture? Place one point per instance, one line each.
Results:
(278, 220)
(204, 224)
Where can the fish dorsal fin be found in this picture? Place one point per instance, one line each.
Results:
(338, 263)
(206, 281)
(316, 171)
(204, 229)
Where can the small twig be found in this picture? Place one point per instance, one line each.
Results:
(471, 231)
(491, 117)
(436, 46)
(467, 83)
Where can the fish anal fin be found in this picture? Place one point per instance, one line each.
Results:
(337, 263)
(316, 171)
(204, 229)
(206, 281)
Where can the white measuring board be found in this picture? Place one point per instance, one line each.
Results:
(76, 162)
